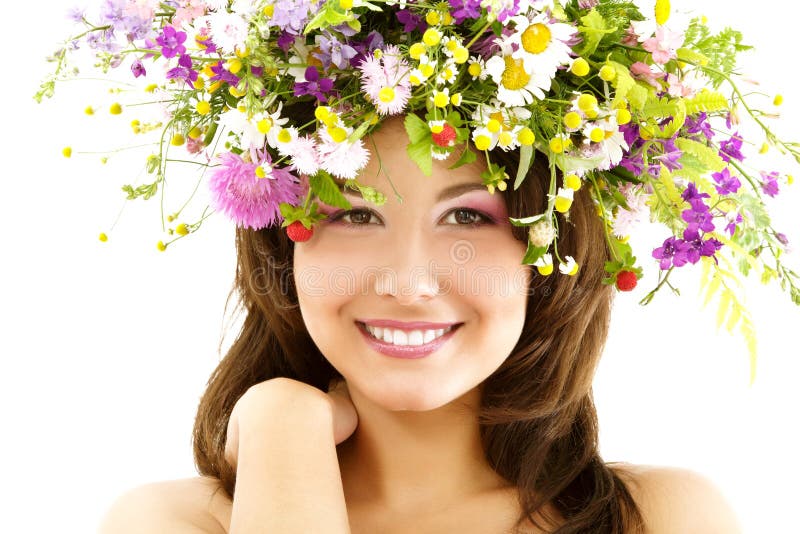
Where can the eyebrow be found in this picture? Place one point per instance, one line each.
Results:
(445, 194)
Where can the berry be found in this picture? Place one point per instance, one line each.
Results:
(446, 137)
(626, 280)
(299, 233)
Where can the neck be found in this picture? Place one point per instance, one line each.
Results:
(411, 459)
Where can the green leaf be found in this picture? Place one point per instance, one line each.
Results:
(707, 101)
(416, 128)
(325, 188)
(594, 29)
(526, 221)
(533, 253)
(420, 153)
(706, 155)
(467, 157)
(525, 160)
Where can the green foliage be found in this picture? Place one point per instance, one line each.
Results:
(720, 49)
(626, 88)
(370, 194)
(525, 161)
(533, 253)
(593, 28)
(730, 309)
(707, 157)
(325, 188)
(144, 192)
(420, 143)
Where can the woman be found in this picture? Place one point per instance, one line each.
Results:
(491, 430)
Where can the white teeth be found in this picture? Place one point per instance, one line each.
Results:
(403, 338)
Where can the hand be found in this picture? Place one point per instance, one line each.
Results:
(345, 416)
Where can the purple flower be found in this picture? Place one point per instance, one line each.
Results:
(76, 14)
(286, 40)
(184, 70)
(465, 9)
(223, 75)
(699, 125)
(292, 16)
(670, 155)
(137, 68)
(314, 85)
(365, 48)
(695, 197)
(334, 52)
(696, 246)
(698, 219)
(769, 183)
(726, 184)
(732, 222)
(507, 10)
(672, 252)
(630, 132)
(731, 148)
(171, 42)
(782, 238)
(411, 21)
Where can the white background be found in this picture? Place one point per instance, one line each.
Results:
(107, 347)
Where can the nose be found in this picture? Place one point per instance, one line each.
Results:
(410, 274)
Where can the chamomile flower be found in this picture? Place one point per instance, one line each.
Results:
(484, 139)
(237, 121)
(477, 68)
(541, 43)
(448, 73)
(570, 267)
(544, 264)
(604, 143)
(515, 85)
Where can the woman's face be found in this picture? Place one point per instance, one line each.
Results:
(424, 260)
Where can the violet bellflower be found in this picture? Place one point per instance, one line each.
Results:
(732, 148)
(726, 183)
(696, 246)
(769, 183)
(171, 42)
(137, 68)
(673, 252)
(184, 70)
(465, 9)
(314, 85)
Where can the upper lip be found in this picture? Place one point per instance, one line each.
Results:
(412, 325)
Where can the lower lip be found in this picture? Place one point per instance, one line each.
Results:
(406, 351)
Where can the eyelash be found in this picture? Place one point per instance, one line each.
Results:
(336, 217)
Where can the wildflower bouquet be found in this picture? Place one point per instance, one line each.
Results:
(629, 101)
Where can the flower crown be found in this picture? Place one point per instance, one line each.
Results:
(621, 100)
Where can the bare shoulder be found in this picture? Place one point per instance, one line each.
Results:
(183, 506)
(675, 499)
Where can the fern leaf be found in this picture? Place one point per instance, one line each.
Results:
(706, 101)
(704, 154)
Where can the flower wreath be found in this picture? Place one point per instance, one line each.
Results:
(622, 99)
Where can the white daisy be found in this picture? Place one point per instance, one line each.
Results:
(228, 31)
(515, 85)
(540, 43)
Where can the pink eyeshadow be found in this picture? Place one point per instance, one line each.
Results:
(492, 205)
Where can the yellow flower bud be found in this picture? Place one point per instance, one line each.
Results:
(89, 110)
(115, 109)
(455, 99)
(572, 181)
(416, 50)
(587, 102)
(234, 65)
(764, 148)
(572, 120)
(432, 18)
(778, 100)
(67, 151)
(182, 229)
(597, 135)
(493, 125)
(203, 107)
(608, 73)
(337, 134)
(460, 55)
(431, 37)
(103, 237)
(623, 116)
(195, 133)
(346, 4)
(440, 99)
(177, 140)
(482, 142)
(161, 246)
(580, 67)
(526, 136)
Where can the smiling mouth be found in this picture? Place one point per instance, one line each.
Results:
(398, 337)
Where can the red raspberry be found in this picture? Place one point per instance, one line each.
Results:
(445, 138)
(626, 280)
(298, 233)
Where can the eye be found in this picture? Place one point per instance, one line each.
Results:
(360, 216)
(469, 217)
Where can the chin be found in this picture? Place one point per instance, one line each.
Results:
(416, 398)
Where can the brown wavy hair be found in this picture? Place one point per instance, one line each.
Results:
(537, 417)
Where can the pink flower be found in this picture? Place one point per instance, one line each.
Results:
(250, 201)
(385, 81)
(663, 45)
(643, 71)
(305, 159)
(344, 159)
